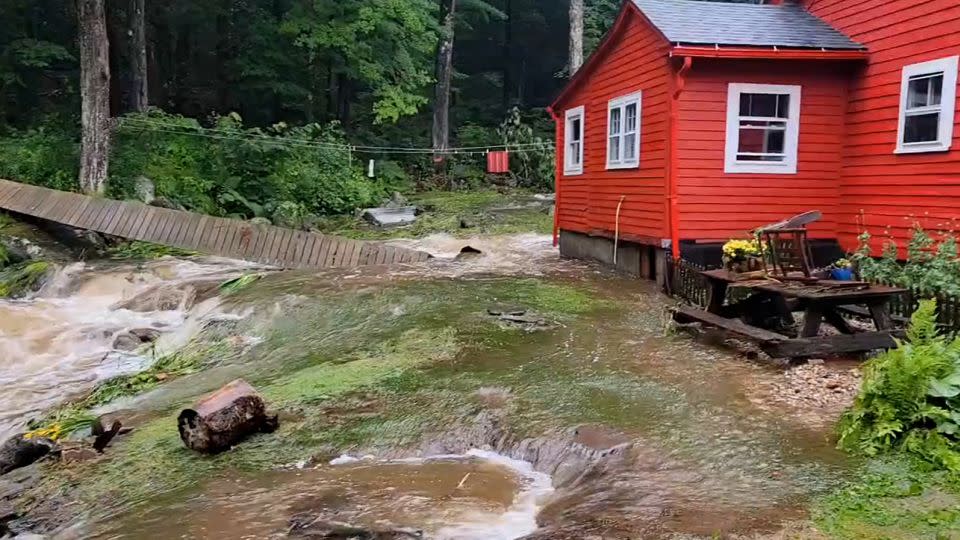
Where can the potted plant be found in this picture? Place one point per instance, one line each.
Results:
(842, 270)
(742, 255)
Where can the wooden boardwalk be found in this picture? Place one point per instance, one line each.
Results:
(236, 239)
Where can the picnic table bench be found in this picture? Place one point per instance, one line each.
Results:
(766, 316)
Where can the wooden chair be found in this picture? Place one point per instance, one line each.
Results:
(787, 247)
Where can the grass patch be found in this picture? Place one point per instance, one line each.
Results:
(895, 497)
(144, 251)
(443, 211)
(22, 279)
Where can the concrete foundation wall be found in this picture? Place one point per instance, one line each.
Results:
(635, 259)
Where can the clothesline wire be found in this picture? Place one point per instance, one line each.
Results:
(221, 134)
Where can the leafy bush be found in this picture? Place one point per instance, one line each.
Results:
(910, 398)
(46, 156)
(535, 164)
(931, 266)
(21, 279)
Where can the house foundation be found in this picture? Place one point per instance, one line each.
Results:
(633, 258)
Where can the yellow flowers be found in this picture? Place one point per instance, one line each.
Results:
(54, 432)
(739, 250)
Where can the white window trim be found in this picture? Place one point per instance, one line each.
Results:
(622, 103)
(572, 114)
(948, 105)
(791, 137)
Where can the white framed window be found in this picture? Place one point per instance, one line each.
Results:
(573, 147)
(763, 128)
(623, 132)
(928, 99)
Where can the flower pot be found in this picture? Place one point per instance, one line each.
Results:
(842, 274)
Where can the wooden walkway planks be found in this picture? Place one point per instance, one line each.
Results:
(231, 238)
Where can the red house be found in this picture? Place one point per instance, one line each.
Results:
(696, 121)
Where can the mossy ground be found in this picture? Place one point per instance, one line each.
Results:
(898, 498)
(443, 211)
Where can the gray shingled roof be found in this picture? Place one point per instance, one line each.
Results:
(723, 23)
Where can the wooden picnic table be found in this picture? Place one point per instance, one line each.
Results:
(820, 301)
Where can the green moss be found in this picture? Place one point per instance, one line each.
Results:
(898, 497)
(22, 279)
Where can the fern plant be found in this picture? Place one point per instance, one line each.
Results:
(910, 397)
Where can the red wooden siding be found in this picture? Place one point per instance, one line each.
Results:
(890, 190)
(635, 61)
(715, 205)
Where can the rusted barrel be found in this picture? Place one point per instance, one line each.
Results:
(225, 418)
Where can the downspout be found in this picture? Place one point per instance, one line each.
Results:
(673, 181)
(557, 176)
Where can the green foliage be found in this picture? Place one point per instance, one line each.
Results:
(932, 266)
(22, 279)
(45, 156)
(4, 256)
(143, 251)
(910, 398)
(281, 172)
(534, 164)
(238, 284)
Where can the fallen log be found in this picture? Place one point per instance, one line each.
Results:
(225, 418)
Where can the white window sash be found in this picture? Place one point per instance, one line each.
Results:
(790, 126)
(948, 67)
(618, 134)
(573, 146)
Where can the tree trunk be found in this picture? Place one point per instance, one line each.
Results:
(576, 35)
(94, 95)
(137, 32)
(441, 100)
(508, 55)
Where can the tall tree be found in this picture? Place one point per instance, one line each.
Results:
(137, 32)
(94, 95)
(441, 99)
(576, 35)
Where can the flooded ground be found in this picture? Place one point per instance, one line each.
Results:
(643, 434)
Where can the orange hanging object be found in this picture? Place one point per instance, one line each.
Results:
(498, 162)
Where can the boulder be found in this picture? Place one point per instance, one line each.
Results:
(134, 339)
(20, 451)
(261, 222)
(7, 514)
(469, 252)
(16, 253)
(391, 217)
(306, 526)
(225, 418)
(145, 189)
(163, 202)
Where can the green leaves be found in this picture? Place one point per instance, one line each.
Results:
(910, 398)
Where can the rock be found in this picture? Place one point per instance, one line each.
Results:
(467, 223)
(304, 526)
(16, 253)
(396, 201)
(261, 222)
(545, 197)
(225, 418)
(79, 453)
(469, 252)
(146, 335)
(126, 342)
(500, 310)
(20, 452)
(145, 189)
(7, 514)
(391, 217)
(163, 202)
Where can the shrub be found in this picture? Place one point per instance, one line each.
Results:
(931, 266)
(910, 397)
(47, 156)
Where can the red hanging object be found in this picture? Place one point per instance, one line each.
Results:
(498, 162)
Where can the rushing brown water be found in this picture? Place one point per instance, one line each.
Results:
(480, 496)
(698, 451)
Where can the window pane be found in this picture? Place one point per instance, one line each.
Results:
(918, 93)
(631, 118)
(614, 149)
(574, 156)
(630, 147)
(765, 105)
(921, 128)
(615, 121)
(762, 138)
(936, 89)
(575, 129)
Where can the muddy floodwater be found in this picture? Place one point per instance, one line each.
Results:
(503, 395)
